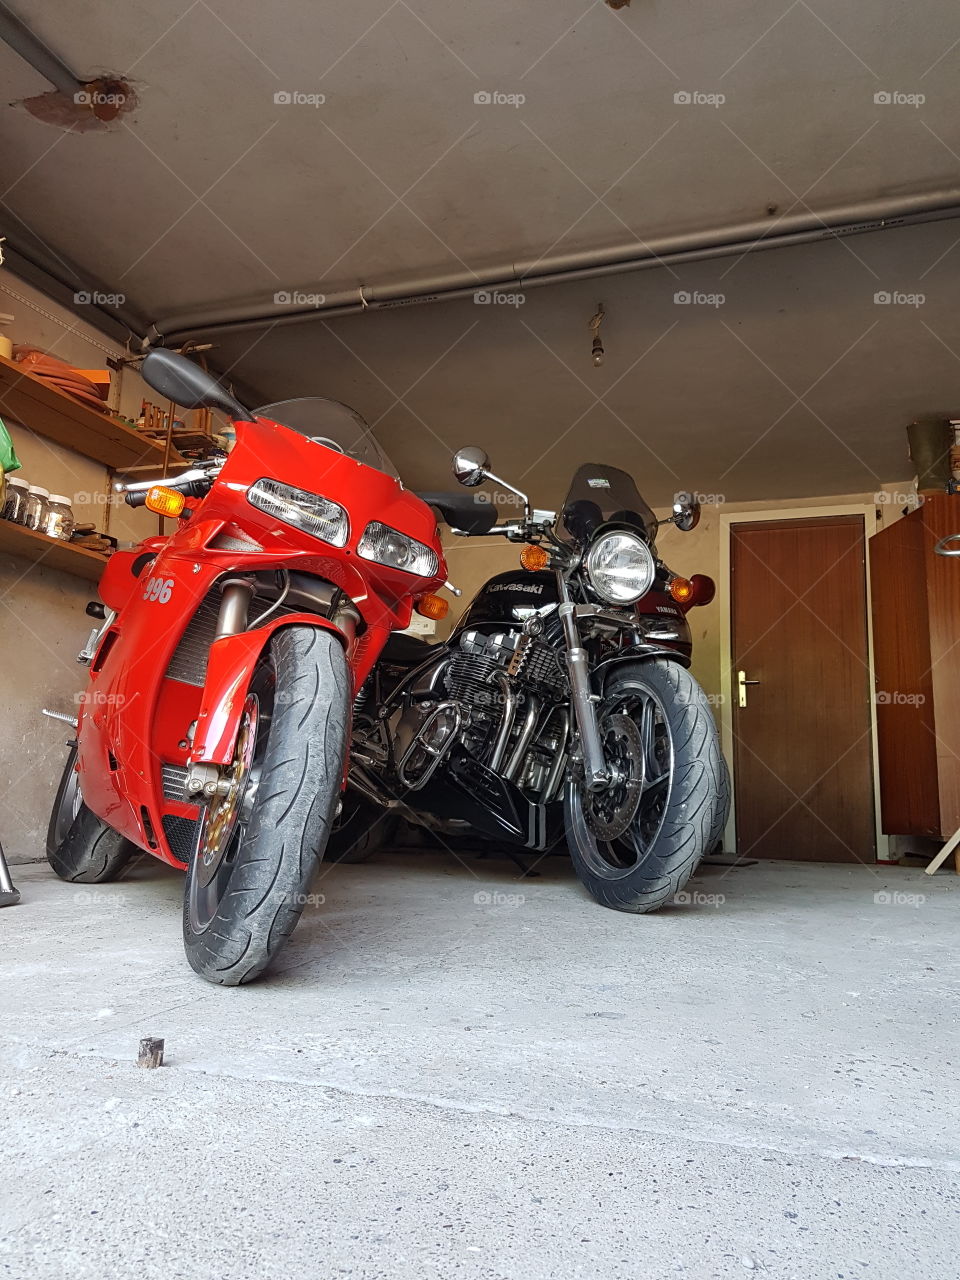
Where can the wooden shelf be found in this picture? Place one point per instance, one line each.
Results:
(33, 403)
(51, 553)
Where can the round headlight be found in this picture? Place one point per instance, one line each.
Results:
(621, 568)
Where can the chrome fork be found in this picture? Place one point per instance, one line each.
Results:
(596, 774)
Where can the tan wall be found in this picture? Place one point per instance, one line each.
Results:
(42, 620)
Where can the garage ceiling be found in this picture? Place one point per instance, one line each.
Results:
(213, 192)
(797, 384)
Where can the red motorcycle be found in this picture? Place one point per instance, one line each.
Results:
(214, 732)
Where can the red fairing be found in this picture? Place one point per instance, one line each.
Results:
(136, 716)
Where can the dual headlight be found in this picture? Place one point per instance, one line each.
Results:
(388, 546)
(621, 568)
(317, 516)
(328, 521)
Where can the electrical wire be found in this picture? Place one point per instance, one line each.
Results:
(276, 604)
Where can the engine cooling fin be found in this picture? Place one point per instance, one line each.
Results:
(469, 678)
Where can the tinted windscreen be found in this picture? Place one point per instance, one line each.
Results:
(329, 423)
(599, 495)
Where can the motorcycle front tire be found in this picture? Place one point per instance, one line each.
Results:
(656, 855)
(241, 906)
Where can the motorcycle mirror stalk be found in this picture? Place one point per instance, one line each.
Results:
(471, 466)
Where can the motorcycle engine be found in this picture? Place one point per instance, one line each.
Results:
(507, 687)
(471, 674)
(477, 676)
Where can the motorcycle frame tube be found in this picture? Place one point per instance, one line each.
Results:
(134, 717)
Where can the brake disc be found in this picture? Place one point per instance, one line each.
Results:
(609, 812)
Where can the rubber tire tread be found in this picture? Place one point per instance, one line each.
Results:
(699, 799)
(91, 852)
(299, 787)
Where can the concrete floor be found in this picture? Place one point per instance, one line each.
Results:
(460, 1074)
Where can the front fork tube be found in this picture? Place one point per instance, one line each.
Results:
(596, 775)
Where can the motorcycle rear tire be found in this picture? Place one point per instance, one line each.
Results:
(302, 688)
(696, 801)
(81, 848)
(362, 829)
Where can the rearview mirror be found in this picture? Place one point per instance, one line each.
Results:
(178, 379)
(686, 512)
(471, 465)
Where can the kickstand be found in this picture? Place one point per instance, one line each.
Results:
(483, 855)
(9, 896)
(525, 871)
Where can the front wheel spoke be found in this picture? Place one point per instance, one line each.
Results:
(648, 735)
(657, 783)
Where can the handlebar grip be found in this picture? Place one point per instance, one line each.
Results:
(135, 499)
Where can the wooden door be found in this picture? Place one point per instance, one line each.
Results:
(802, 742)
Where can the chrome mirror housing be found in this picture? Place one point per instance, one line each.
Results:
(471, 465)
(686, 512)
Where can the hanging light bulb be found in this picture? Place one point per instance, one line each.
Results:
(594, 324)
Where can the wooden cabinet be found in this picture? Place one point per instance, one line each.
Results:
(916, 638)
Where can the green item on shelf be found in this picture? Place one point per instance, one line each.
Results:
(8, 457)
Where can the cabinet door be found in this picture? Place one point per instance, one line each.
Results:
(907, 744)
(941, 516)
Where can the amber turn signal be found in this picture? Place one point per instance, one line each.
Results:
(682, 590)
(164, 501)
(689, 592)
(432, 607)
(534, 558)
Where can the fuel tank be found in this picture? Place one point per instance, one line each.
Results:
(509, 599)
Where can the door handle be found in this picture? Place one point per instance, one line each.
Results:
(742, 683)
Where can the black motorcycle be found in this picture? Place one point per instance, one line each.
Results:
(561, 705)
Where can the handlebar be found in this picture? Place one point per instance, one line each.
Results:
(195, 483)
(520, 530)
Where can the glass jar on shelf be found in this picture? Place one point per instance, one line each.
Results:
(35, 507)
(16, 492)
(58, 520)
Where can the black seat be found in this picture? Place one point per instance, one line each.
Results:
(469, 512)
(405, 650)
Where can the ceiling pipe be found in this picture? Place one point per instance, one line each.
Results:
(20, 38)
(127, 328)
(676, 250)
(64, 283)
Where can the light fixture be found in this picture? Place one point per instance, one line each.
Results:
(594, 324)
